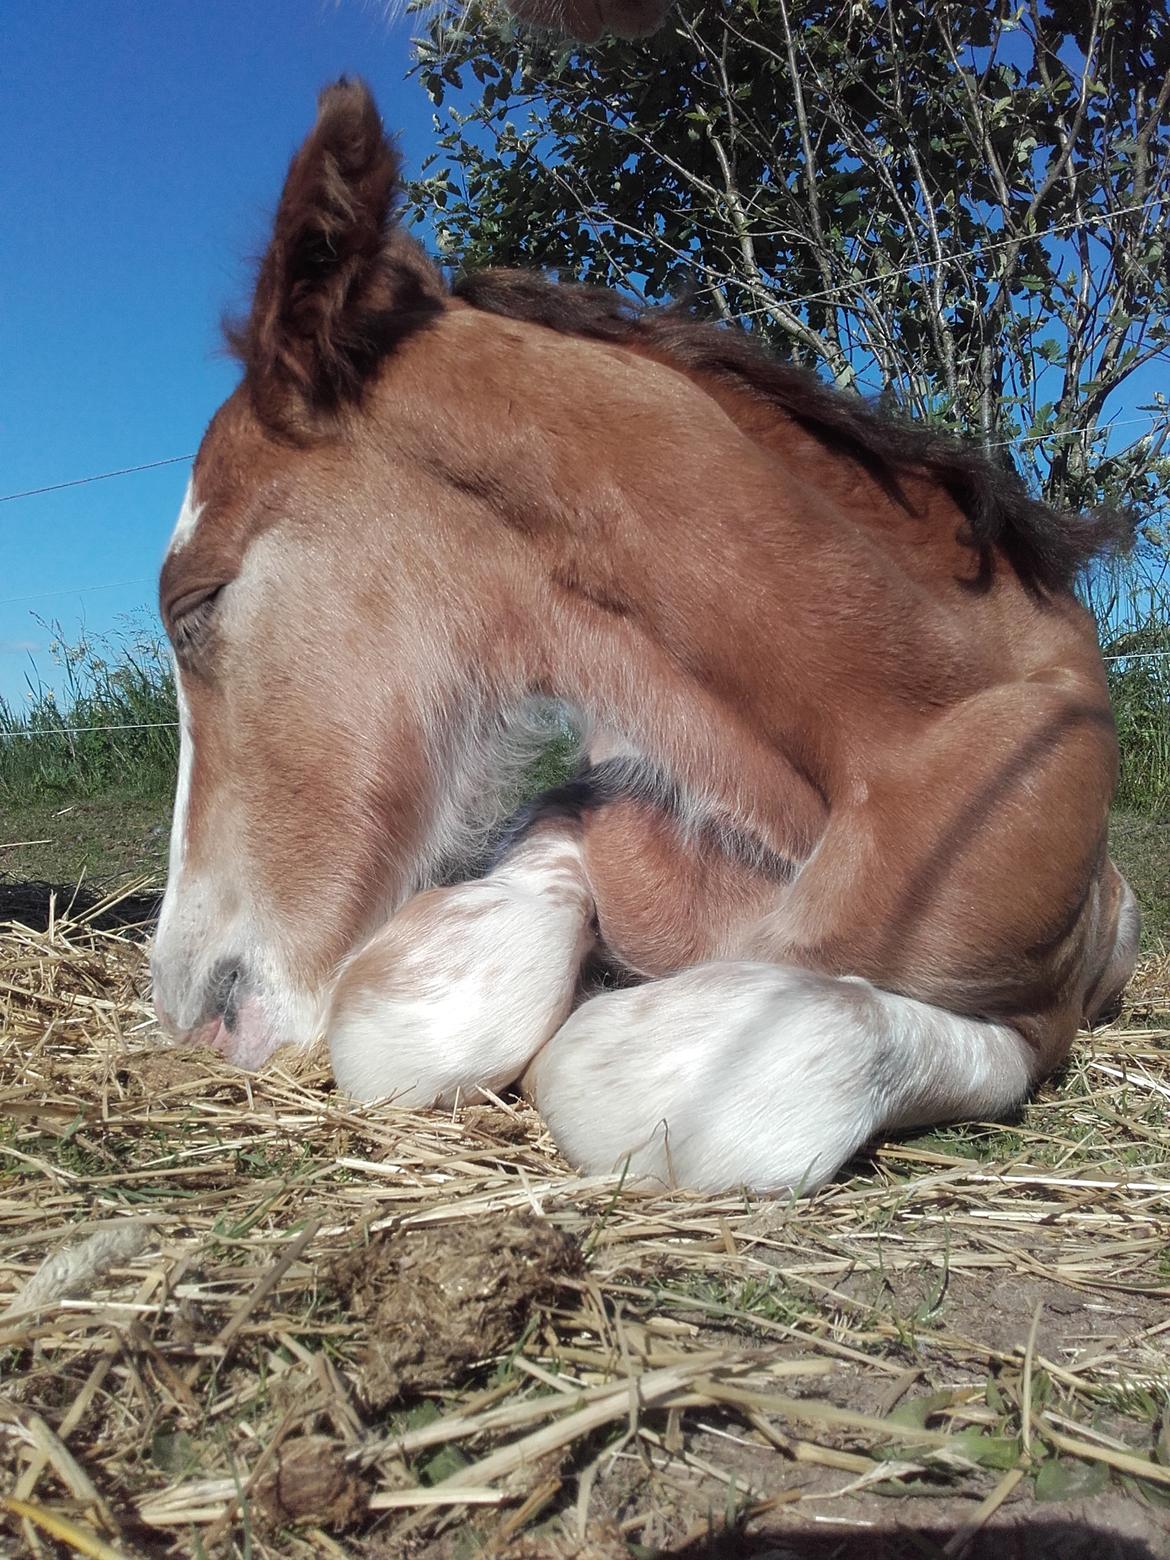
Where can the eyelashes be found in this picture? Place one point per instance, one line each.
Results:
(192, 618)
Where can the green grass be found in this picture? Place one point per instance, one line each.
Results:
(111, 733)
(1139, 686)
(97, 838)
(1141, 848)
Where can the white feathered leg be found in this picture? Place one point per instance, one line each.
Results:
(755, 1075)
(465, 984)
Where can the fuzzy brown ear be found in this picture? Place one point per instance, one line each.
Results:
(339, 285)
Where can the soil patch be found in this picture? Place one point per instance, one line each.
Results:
(35, 905)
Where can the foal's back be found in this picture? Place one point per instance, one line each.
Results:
(828, 657)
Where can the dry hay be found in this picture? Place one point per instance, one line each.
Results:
(242, 1316)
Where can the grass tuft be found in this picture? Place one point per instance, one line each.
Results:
(1139, 687)
(75, 745)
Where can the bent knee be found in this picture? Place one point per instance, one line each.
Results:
(1103, 1000)
(456, 993)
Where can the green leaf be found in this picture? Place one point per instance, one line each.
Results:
(987, 1451)
(1070, 1479)
(997, 1400)
(447, 1460)
(1146, 1490)
(631, 130)
(174, 1452)
(917, 1412)
(417, 1418)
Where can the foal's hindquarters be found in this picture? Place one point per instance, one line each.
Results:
(767, 1072)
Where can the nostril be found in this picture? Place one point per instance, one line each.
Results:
(227, 979)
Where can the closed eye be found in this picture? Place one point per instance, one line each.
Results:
(191, 618)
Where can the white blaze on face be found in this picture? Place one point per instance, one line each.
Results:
(189, 514)
(187, 521)
(168, 933)
(178, 852)
(210, 918)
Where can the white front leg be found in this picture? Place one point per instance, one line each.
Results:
(761, 1076)
(463, 986)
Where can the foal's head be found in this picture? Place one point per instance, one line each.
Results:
(317, 600)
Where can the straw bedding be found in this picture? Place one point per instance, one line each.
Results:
(239, 1316)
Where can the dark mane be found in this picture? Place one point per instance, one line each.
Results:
(1046, 547)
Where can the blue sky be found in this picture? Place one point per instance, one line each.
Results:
(145, 144)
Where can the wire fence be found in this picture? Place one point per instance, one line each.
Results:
(79, 731)
(173, 725)
(844, 289)
(77, 590)
(100, 476)
(1098, 219)
(1151, 420)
